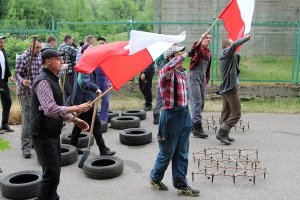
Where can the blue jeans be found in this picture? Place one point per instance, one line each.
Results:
(103, 84)
(173, 140)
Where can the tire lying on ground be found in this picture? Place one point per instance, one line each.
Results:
(69, 154)
(103, 167)
(82, 140)
(135, 136)
(21, 185)
(104, 126)
(124, 122)
(137, 113)
(112, 114)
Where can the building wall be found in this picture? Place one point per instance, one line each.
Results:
(266, 39)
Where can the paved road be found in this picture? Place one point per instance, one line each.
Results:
(276, 136)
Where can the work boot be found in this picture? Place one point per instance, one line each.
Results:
(222, 136)
(107, 152)
(156, 117)
(198, 131)
(230, 139)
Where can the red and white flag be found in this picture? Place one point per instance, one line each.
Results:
(237, 18)
(120, 61)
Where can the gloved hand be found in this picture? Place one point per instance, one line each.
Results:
(191, 53)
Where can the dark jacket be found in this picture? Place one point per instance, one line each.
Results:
(7, 70)
(40, 124)
(84, 88)
(229, 66)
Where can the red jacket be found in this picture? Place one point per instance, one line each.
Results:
(202, 53)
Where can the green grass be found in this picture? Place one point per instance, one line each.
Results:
(261, 105)
(125, 99)
(266, 68)
(4, 144)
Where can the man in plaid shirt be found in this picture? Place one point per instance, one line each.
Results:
(69, 58)
(174, 125)
(24, 80)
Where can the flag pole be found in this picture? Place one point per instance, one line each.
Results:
(209, 29)
(93, 102)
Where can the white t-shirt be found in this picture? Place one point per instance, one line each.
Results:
(2, 63)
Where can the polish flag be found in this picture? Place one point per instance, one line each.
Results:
(121, 61)
(237, 18)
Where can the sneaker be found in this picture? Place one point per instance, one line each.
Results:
(159, 185)
(188, 191)
(1, 132)
(147, 108)
(107, 152)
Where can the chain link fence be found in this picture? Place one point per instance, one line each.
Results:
(272, 54)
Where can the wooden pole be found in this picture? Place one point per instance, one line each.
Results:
(93, 102)
(32, 54)
(209, 29)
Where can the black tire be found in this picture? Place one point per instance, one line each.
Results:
(137, 113)
(21, 185)
(104, 127)
(103, 167)
(112, 114)
(69, 154)
(83, 140)
(135, 136)
(124, 122)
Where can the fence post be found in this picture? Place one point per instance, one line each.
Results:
(57, 32)
(295, 53)
(212, 51)
(298, 55)
(53, 26)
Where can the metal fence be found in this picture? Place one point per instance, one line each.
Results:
(272, 54)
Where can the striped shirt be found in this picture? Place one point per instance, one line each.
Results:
(45, 96)
(21, 72)
(166, 83)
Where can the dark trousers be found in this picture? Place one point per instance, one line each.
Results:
(231, 111)
(146, 88)
(68, 88)
(87, 116)
(49, 154)
(6, 103)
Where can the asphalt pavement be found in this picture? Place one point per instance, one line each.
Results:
(276, 136)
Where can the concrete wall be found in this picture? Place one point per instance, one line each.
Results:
(266, 40)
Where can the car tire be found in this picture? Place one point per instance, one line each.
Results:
(137, 113)
(124, 122)
(83, 140)
(21, 185)
(135, 136)
(103, 167)
(69, 154)
(112, 114)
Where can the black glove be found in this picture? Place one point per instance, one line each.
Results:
(191, 53)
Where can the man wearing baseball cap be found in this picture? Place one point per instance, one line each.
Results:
(47, 115)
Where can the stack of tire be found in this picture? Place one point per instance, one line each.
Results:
(129, 123)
